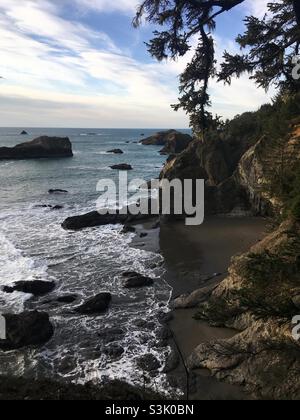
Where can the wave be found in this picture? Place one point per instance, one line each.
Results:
(14, 266)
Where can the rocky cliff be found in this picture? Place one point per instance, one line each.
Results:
(173, 141)
(237, 174)
(259, 299)
(258, 175)
(42, 147)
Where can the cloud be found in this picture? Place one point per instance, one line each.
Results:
(108, 6)
(257, 8)
(71, 75)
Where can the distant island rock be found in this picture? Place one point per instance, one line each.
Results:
(116, 151)
(122, 167)
(173, 141)
(23, 133)
(42, 147)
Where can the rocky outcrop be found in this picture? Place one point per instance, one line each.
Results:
(122, 167)
(29, 389)
(26, 329)
(42, 147)
(135, 280)
(49, 206)
(36, 287)
(172, 140)
(23, 133)
(116, 151)
(234, 182)
(96, 305)
(259, 299)
(123, 217)
(57, 191)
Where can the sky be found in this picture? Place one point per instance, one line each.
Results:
(80, 63)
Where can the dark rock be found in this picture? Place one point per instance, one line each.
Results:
(23, 133)
(57, 191)
(156, 225)
(114, 351)
(135, 280)
(42, 147)
(116, 151)
(43, 206)
(128, 274)
(172, 362)
(123, 217)
(129, 229)
(164, 318)
(67, 299)
(48, 206)
(145, 325)
(26, 329)
(110, 335)
(143, 235)
(93, 219)
(148, 363)
(95, 305)
(17, 388)
(164, 334)
(36, 287)
(122, 167)
(173, 141)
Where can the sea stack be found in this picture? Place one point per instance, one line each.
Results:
(42, 147)
(173, 141)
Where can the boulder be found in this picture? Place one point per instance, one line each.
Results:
(116, 151)
(48, 206)
(26, 329)
(42, 147)
(67, 299)
(36, 287)
(128, 229)
(95, 305)
(148, 363)
(110, 335)
(23, 133)
(135, 280)
(93, 219)
(122, 167)
(114, 351)
(57, 191)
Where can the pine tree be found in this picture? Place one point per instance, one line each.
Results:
(270, 43)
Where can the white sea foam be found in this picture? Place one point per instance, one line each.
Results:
(14, 266)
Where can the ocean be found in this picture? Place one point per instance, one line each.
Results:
(33, 246)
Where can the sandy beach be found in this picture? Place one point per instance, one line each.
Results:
(192, 256)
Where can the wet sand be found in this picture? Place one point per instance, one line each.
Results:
(193, 254)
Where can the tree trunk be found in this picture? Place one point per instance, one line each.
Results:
(297, 10)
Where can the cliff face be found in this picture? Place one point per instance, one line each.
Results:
(42, 147)
(259, 298)
(261, 294)
(236, 176)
